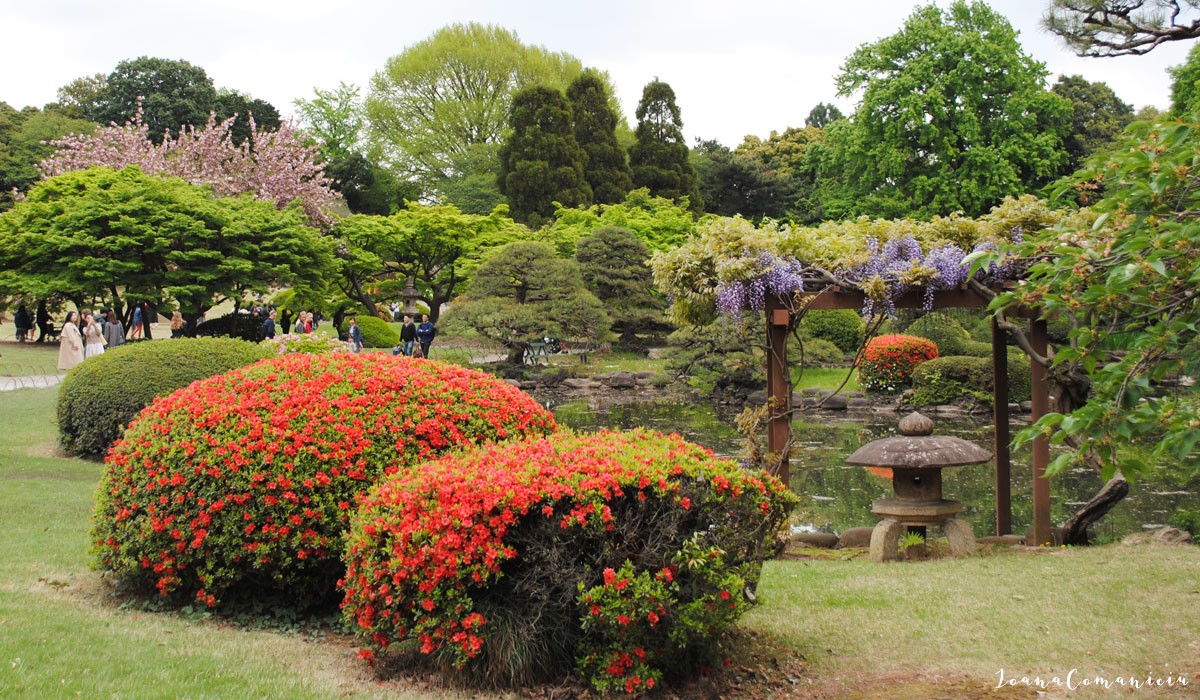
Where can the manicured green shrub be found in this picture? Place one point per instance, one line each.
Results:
(376, 332)
(818, 353)
(303, 342)
(888, 361)
(947, 379)
(248, 478)
(99, 397)
(624, 556)
(245, 326)
(842, 327)
(948, 334)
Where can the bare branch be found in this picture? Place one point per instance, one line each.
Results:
(1122, 27)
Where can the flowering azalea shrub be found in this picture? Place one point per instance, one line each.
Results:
(316, 343)
(623, 556)
(888, 361)
(250, 477)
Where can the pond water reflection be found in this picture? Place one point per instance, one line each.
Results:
(841, 495)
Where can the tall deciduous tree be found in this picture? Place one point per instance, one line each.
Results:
(440, 97)
(1185, 84)
(172, 94)
(659, 159)
(437, 246)
(524, 292)
(540, 162)
(732, 183)
(1122, 27)
(102, 234)
(24, 141)
(595, 124)
(953, 116)
(1097, 116)
(231, 103)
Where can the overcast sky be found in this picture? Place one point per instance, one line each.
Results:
(737, 66)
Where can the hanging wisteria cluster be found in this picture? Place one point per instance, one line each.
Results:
(890, 269)
(777, 276)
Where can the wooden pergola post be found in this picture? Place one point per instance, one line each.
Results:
(1040, 398)
(779, 422)
(1003, 476)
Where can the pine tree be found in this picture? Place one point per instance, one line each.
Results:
(540, 162)
(595, 125)
(659, 159)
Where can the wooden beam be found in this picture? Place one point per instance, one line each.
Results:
(779, 399)
(1002, 436)
(1041, 445)
(853, 299)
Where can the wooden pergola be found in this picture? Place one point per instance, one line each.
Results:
(779, 324)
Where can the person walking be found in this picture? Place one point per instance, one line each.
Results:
(299, 329)
(425, 334)
(149, 317)
(70, 346)
(93, 337)
(354, 333)
(43, 321)
(268, 326)
(135, 324)
(114, 330)
(24, 323)
(408, 335)
(177, 325)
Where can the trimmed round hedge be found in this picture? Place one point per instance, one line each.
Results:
(99, 397)
(250, 477)
(622, 556)
(946, 379)
(949, 335)
(842, 327)
(888, 361)
(376, 332)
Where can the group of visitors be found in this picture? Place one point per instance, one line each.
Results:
(415, 339)
(87, 334)
(24, 322)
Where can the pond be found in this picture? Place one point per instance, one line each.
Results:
(839, 496)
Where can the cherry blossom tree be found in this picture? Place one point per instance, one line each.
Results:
(271, 165)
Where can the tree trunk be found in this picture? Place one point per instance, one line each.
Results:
(516, 353)
(1074, 531)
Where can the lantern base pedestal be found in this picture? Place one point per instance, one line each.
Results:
(885, 538)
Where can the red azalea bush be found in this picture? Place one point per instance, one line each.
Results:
(250, 477)
(888, 361)
(623, 556)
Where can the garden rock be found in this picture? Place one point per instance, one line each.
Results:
(821, 540)
(757, 398)
(858, 404)
(513, 382)
(1006, 540)
(834, 403)
(1162, 535)
(622, 380)
(855, 537)
(579, 383)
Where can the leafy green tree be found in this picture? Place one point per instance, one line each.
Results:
(659, 158)
(732, 184)
(523, 292)
(232, 103)
(434, 101)
(1184, 81)
(1124, 282)
(823, 115)
(1097, 119)
(25, 138)
(77, 99)
(437, 245)
(595, 123)
(953, 117)
(540, 162)
(172, 93)
(1121, 27)
(473, 186)
(107, 235)
(659, 222)
(612, 261)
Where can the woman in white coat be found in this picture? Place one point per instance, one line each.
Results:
(70, 344)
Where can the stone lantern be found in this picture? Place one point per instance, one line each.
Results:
(410, 295)
(916, 458)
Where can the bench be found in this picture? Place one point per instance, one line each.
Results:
(535, 354)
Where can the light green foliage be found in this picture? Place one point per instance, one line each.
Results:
(817, 352)
(541, 163)
(99, 397)
(1184, 81)
(948, 334)
(659, 222)
(438, 245)
(1097, 115)
(431, 103)
(376, 332)
(104, 234)
(25, 138)
(953, 116)
(1126, 286)
(523, 292)
(659, 159)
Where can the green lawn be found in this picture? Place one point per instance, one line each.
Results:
(1113, 610)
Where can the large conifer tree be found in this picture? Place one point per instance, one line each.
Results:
(659, 159)
(595, 125)
(540, 162)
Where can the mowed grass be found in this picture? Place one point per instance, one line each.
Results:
(1116, 611)
(28, 359)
